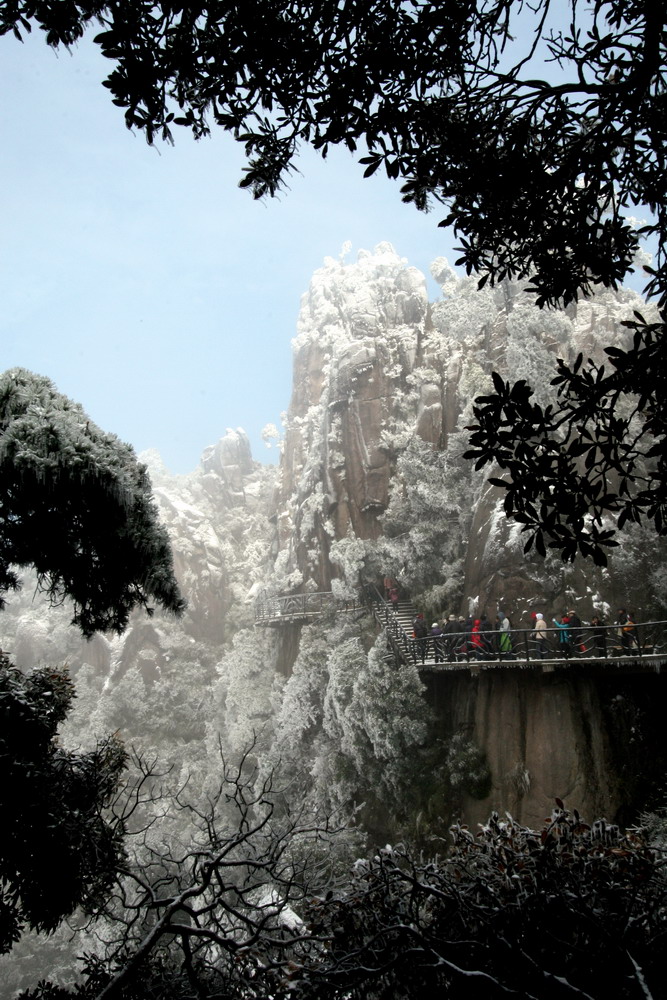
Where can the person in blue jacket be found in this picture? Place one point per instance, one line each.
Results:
(564, 636)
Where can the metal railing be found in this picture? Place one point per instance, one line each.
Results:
(300, 607)
(398, 640)
(643, 640)
(594, 643)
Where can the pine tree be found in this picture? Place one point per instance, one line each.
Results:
(76, 505)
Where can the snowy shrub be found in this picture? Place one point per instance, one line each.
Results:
(299, 718)
(376, 724)
(440, 601)
(654, 825)
(394, 717)
(446, 276)
(658, 583)
(344, 591)
(474, 380)
(427, 521)
(629, 565)
(567, 910)
(285, 577)
(353, 721)
(350, 555)
(519, 778)
(270, 435)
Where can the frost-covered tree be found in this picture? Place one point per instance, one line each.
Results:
(76, 505)
(247, 690)
(571, 909)
(214, 913)
(427, 523)
(354, 726)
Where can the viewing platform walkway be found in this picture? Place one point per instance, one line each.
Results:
(294, 609)
(607, 648)
(615, 662)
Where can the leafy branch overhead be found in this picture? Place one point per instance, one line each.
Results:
(536, 174)
(76, 505)
(573, 463)
(540, 128)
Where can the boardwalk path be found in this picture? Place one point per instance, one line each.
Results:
(645, 651)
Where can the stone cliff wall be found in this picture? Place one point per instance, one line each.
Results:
(359, 338)
(591, 740)
(377, 371)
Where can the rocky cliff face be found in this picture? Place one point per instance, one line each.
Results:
(383, 388)
(360, 336)
(371, 483)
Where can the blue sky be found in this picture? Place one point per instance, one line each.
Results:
(144, 282)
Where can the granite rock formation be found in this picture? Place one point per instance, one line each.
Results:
(379, 371)
(371, 483)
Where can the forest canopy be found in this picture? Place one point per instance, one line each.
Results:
(540, 129)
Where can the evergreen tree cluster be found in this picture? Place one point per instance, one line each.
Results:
(77, 506)
(58, 849)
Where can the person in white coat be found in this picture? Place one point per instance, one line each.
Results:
(540, 634)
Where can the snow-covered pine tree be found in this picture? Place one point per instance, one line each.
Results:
(76, 505)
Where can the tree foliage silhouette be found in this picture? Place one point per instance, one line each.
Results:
(570, 909)
(209, 911)
(76, 505)
(539, 129)
(57, 849)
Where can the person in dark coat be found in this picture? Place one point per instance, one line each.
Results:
(421, 633)
(436, 638)
(486, 631)
(462, 643)
(621, 621)
(393, 597)
(577, 638)
(631, 627)
(599, 637)
(450, 637)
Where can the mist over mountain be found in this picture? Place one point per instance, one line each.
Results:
(371, 483)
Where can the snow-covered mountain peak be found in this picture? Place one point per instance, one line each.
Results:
(377, 293)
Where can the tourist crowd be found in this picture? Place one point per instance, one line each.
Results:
(457, 637)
